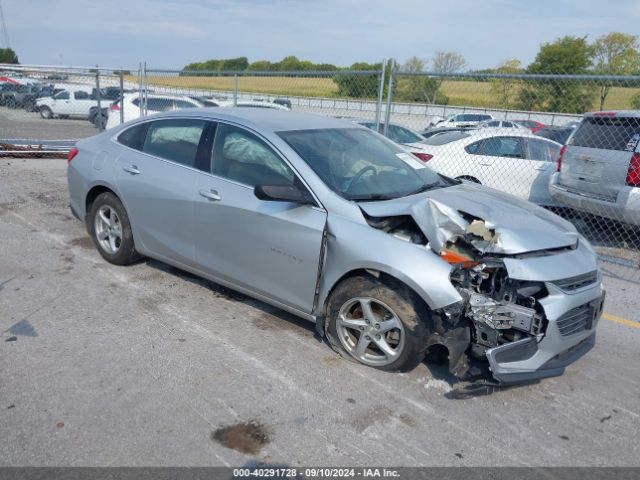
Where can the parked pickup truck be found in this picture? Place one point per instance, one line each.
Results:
(71, 101)
(25, 96)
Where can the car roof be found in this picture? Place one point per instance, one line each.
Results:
(269, 119)
(614, 113)
(497, 131)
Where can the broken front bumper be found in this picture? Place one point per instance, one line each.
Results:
(568, 337)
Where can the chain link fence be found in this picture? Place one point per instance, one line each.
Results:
(526, 135)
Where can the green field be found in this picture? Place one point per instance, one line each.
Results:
(459, 92)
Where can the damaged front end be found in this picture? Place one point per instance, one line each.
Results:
(498, 318)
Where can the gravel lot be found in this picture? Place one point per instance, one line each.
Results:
(147, 365)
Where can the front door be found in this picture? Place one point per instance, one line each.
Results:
(269, 247)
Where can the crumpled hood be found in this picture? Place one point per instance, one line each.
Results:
(492, 221)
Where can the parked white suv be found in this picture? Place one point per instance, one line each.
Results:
(72, 101)
(599, 168)
(464, 120)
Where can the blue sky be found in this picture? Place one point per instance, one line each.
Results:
(172, 33)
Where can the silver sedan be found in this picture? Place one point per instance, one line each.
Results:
(340, 226)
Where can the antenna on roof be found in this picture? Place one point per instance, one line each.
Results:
(5, 32)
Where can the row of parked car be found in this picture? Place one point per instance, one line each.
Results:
(592, 166)
(81, 101)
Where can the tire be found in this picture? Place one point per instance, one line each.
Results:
(46, 113)
(11, 103)
(109, 227)
(395, 338)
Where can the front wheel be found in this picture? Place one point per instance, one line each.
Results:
(46, 113)
(109, 227)
(380, 324)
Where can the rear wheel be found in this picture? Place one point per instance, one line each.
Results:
(380, 324)
(109, 227)
(45, 112)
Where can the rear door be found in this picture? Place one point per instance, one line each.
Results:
(269, 247)
(597, 156)
(502, 165)
(157, 175)
(81, 103)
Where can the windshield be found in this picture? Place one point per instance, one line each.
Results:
(357, 164)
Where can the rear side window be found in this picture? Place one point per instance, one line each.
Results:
(159, 104)
(184, 104)
(240, 156)
(608, 133)
(541, 150)
(80, 95)
(176, 140)
(133, 137)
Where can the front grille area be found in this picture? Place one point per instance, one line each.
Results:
(574, 283)
(576, 320)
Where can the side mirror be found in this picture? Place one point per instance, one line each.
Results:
(283, 193)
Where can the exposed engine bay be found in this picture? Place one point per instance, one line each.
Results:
(494, 309)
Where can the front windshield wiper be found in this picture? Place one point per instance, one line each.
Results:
(371, 198)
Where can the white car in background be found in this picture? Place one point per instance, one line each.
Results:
(72, 101)
(514, 161)
(464, 120)
(157, 103)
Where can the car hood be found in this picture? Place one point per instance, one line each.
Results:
(492, 221)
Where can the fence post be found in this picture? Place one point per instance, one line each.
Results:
(140, 88)
(99, 114)
(387, 113)
(121, 97)
(380, 95)
(235, 89)
(146, 87)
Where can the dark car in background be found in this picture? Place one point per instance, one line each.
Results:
(557, 134)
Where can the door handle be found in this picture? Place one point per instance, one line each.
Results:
(132, 169)
(210, 195)
(485, 164)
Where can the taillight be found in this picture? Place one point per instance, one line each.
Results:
(633, 174)
(114, 107)
(559, 160)
(425, 157)
(72, 154)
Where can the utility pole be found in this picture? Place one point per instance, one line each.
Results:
(3, 25)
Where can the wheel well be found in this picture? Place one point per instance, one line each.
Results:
(93, 194)
(470, 178)
(383, 276)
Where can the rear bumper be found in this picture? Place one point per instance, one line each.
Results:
(625, 208)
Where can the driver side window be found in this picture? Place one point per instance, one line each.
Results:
(242, 157)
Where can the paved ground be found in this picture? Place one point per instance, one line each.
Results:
(146, 365)
(18, 123)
